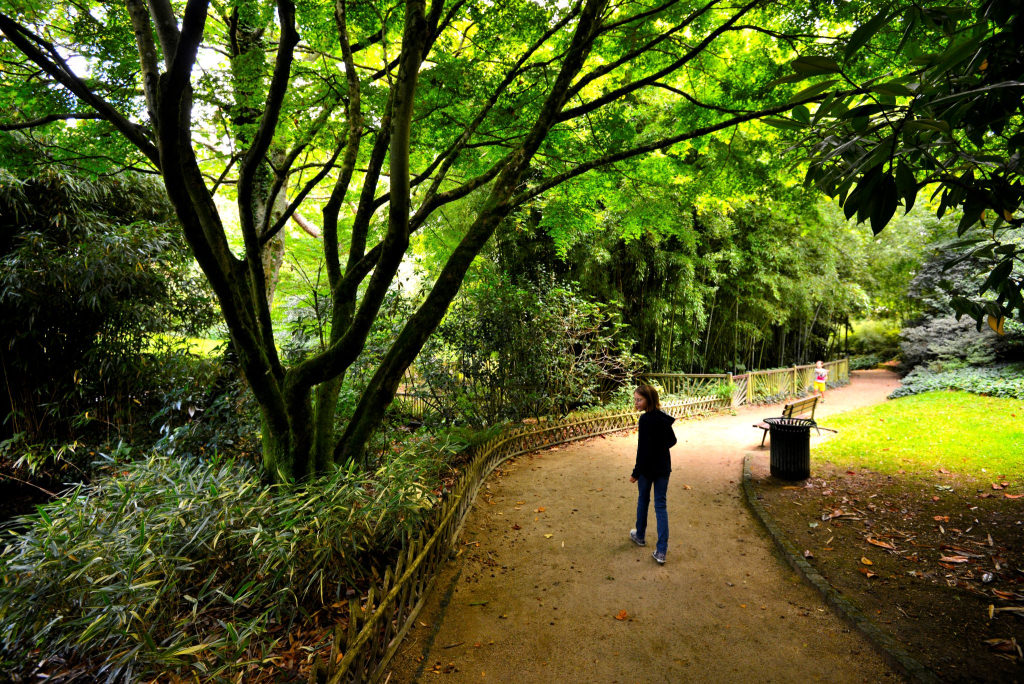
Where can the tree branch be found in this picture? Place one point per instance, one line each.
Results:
(166, 28)
(618, 93)
(49, 118)
(46, 56)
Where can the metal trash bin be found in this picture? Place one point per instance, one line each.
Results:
(790, 447)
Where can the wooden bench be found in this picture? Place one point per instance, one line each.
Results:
(798, 409)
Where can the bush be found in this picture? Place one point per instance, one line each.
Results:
(507, 352)
(1003, 380)
(875, 337)
(90, 271)
(193, 565)
(864, 362)
(947, 340)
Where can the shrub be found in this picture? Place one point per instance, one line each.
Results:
(1002, 380)
(507, 352)
(875, 337)
(188, 564)
(864, 361)
(946, 339)
(90, 270)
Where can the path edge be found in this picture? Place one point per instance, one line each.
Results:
(882, 642)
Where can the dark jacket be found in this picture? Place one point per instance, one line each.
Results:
(655, 437)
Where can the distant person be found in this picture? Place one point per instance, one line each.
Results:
(653, 465)
(820, 380)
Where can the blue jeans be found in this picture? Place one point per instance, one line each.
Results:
(660, 485)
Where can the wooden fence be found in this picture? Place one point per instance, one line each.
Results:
(755, 387)
(378, 623)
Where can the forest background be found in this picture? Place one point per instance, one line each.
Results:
(232, 232)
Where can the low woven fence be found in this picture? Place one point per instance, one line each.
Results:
(378, 623)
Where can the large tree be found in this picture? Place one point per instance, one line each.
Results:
(379, 114)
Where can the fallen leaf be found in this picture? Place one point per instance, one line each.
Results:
(621, 615)
(866, 561)
(867, 573)
(540, 510)
(1019, 610)
(791, 487)
(1013, 496)
(516, 527)
(548, 536)
(935, 498)
(996, 486)
(686, 486)
(808, 554)
(884, 545)
(954, 559)
(941, 518)
(1003, 645)
(943, 471)
(520, 503)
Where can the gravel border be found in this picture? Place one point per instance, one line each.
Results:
(882, 641)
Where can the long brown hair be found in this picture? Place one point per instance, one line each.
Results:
(650, 396)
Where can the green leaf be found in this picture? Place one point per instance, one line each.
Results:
(885, 201)
(816, 89)
(864, 33)
(802, 114)
(892, 88)
(813, 65)
(791, 78)
(786, 124)
(906, 185)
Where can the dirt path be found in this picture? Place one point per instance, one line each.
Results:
(545, 566)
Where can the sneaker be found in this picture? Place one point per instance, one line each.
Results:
(636, 540)
(660, 557)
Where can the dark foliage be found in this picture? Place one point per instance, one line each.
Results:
(92, 275)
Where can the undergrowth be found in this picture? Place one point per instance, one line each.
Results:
(192, 565)
(1003, 380)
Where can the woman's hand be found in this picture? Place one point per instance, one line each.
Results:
(632, 479)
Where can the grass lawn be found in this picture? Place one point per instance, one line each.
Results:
(961, 432)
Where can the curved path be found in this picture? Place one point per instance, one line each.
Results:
(547, 586)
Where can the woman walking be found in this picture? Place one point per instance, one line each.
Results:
(653, 465)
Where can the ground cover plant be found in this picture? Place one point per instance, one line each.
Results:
(913, 513)
(187, 565)
(1000, 380)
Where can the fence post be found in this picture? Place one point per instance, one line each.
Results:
(732, 392)
(750, 388)
(794, 379)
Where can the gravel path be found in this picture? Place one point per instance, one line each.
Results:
(547, 586)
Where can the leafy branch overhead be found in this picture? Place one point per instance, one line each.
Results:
(941, 111)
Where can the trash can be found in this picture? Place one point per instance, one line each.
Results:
(791, 447)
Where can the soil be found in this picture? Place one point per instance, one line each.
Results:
(943, 549)
(545, 584)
